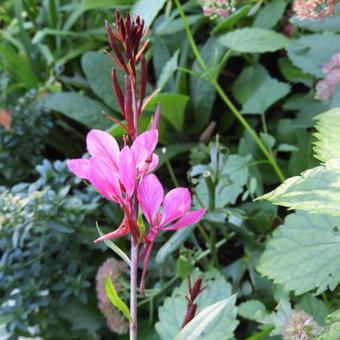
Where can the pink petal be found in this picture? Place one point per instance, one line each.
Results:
(150, 166)
(105, 179)
(121, 231)
(103, 145)
(143, 147)
(177, 202)
(127, 171)
(80, 167)
(190, 218)
(150, 195)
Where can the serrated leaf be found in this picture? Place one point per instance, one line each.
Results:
(293, 73)
(332, 330)
(200, 326)
(316, 190)
(311, 52)
(270, 91)
(115, 248)
(327, 146)
(252, 310)
(172, 312)
(115, 299)
(80, 108)
(254, 40)
(270, 14)
(303, 254)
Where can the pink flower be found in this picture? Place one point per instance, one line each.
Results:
(114, 173)
(160, 211)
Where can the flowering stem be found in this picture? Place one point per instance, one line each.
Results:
(261, 334)
(133, 289)
(225, 98)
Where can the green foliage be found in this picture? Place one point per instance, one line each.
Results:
(254, 40)
(80, 108)
(332, 330)
(270, 14)
(326, 147)
(303, 253)
(171, 314)
(200, 326)
(252, 310)
(115, 299)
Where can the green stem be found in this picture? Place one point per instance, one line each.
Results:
(261, 334)
(171, 172)
(225, 98)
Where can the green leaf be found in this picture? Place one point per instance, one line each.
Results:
(311, 52)
(278, 318)
(172, 312)
(114, 247)
(249, 80)
(115, 299)
(173, 108)
(172, 150)
(172, 244)
(304, 252)
(147, 9)
(200, 326)
(202, 93)
(252, 310)
(327, 145)
(80, 108)
(231, 19)
(269, 92)
(316, 190)
(254, 40)
(313, 306)
(332, 330)
(90, 4)
(170, 25)
(270, 14)
(294, 74)
(168, 70)
(97, 67)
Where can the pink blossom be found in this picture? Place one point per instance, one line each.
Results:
(160, 211)
(313, 9)
(114, 173)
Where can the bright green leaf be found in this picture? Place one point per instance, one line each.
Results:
(316, 190)
(304, 253)
(115, 299)
(254, 40)
(200, 326)
(172, 312)
(173, 107)
(327, 145)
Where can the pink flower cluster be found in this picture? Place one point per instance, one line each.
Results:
(313, 9)
(326, 87)
(115, 269)
(120, 174)
(218, 8)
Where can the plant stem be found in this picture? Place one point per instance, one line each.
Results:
(261, 334)
(133, 289)
(225, 98)
(171, 173)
